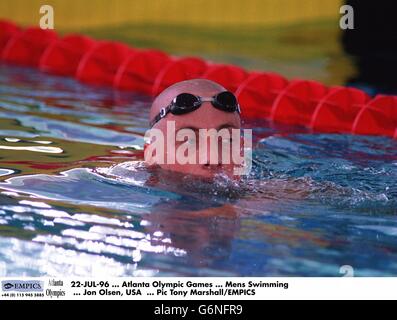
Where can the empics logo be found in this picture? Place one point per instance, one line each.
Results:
(8, 286)
(23, 286)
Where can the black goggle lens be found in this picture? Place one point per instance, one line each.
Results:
(185, 102)
(226, 101)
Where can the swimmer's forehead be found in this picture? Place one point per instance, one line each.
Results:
(199, 87)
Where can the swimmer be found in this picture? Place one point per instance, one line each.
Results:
(203, 104)
(196, 104)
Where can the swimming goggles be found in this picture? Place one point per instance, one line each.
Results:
(187, 102)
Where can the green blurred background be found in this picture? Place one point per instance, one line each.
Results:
(297, 38)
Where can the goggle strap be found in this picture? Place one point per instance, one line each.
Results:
(163, 112)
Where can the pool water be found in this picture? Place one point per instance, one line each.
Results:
(76, 200)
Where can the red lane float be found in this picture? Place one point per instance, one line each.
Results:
(26, 47)
(261, 95)
(138, 72)
(7, 30)
(99, 65)
(338, 110)
(378, 117)
(226, 75)
(297, 102)
(258, 92)
(63, 56)
(179, 70)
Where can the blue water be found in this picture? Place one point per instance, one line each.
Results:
(76, 200)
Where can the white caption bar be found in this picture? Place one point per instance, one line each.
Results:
(198, 288)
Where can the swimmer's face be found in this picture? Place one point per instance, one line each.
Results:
(205, 117)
